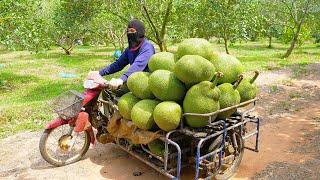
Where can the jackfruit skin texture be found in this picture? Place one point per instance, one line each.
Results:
(166, 86)
(192, 69)
(157, 147)
(161, 60)
(247, 90)
(201, 98)
(229, 97)
(126, 103)
(167, 115)
(195, 46)
(230, 66)
(142, 113)
(138, 85)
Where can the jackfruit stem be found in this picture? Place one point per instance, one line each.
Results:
(217, 75)
(236, 84)
(254, 77)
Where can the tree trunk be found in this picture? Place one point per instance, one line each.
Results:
(226, 45)
(162, 46)
(270, 40)
(66, 50)
(294, 41)
(219, 41)
(308, 5)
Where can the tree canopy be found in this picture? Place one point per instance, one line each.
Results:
(37, 25)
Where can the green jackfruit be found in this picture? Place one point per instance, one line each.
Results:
(161, 60)
(138, 85)
(157, 147)
(247, 88)
(167, 115)
(192, 69)
(166, 86)
(142, 113)
(229, 97)
(202, 98)
(195, 46)
(126, 103)
(230, 66)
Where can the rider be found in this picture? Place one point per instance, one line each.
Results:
(137, 54)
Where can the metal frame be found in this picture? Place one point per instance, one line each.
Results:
(168, 139)
(161, 169)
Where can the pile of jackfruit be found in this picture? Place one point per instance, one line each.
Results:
(193, 80)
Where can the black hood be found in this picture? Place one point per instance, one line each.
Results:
(134, 39)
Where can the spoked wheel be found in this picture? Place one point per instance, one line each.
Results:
(232, 157)
(61, 146)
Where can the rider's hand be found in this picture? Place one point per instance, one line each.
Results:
(115, 83)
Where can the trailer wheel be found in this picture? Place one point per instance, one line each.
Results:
(228, 170)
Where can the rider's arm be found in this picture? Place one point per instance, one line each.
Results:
(118, 65)
(140, 62)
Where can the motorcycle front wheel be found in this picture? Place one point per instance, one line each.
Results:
(62, 146)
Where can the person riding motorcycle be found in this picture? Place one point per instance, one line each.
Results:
(137, 54)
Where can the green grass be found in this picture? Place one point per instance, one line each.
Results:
(29, 82)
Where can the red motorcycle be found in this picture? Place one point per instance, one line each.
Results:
(67, 138)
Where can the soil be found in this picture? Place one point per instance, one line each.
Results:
(289, 140)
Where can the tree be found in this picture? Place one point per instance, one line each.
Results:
(108, 29)
(271, 21)
(25, 24)
(298, 12)
(72, 20)
(226, 18)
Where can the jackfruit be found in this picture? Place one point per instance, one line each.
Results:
(166, 86)
(161, 60)
(167, 115)
(229, 97)
(142, 113)
(202, 98)
(192, 69)
(126, 103)
(157, 147)
(138, 85)
(195, 46)
(230, 66)
(247, 88)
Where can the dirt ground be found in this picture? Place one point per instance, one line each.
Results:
(289, 142)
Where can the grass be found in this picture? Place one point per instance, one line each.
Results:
(29, 82)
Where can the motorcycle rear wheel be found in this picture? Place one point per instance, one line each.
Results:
(66, 157)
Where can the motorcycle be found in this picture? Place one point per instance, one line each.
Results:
(67, 138)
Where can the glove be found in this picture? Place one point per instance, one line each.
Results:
(115, 83)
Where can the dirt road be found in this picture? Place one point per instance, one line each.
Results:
(289, 149)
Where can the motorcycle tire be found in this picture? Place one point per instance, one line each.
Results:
(55, 162)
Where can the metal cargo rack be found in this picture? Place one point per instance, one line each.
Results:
(179, 154)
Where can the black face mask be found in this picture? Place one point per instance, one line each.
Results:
(133, 40)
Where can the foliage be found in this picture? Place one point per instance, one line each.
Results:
(25, 24)
(36, 25)
(72, 19)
